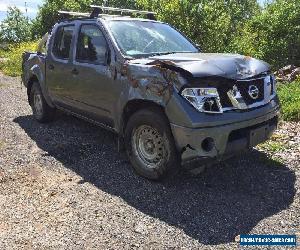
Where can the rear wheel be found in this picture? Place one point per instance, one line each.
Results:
(41, 110)
(150, 145)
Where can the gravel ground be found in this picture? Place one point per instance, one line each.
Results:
(65, 186)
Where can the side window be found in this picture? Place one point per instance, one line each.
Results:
(91, 45)
(62, 42)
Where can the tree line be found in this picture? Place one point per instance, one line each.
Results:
(271, 32)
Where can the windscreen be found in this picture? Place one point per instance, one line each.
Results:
(144, 38)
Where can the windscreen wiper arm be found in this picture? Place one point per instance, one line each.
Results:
(169, 52)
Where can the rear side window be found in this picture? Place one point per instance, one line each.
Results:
(62, 42)
(91, 45)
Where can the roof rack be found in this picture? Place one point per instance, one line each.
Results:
(68, 14)
(97, 10)
(104, 11)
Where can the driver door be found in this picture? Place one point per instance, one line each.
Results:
(93, 83)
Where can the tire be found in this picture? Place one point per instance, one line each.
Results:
(150, 145)
(40, 109)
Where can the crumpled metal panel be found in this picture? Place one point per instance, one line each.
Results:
(231, 66)
(156, 78)
(153, 80)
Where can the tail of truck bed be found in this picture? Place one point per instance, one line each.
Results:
(26, 65)
(31, 58)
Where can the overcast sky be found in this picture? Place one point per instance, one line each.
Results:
(32, 6)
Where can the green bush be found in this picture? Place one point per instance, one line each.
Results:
(289, 95)
(211, 24)
(3, 52)
(272, 35)
(11, 63)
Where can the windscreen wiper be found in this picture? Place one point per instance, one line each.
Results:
(169, 52)
(163, 53)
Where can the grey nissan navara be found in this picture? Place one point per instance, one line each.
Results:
(168, 102)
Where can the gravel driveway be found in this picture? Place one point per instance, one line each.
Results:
(65, 186)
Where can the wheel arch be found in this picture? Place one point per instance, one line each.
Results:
(135, 105)
(35, 77)
(30, 82)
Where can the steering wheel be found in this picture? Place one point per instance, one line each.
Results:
(148, 45)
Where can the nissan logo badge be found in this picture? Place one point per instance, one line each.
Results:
(253, 92)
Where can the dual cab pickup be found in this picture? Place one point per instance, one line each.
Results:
(168, 102)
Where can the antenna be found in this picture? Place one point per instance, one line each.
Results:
(26, 9)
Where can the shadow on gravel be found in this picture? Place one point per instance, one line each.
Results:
(226, 200)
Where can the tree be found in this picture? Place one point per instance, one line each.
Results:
(273, 35)
(212, 24)
(48, 12)
(15, 27)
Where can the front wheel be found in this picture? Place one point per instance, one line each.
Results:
(150, 145)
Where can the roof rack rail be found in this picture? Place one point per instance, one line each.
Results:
(68, 14)
(97, 10)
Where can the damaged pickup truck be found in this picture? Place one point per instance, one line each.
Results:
(142, 79)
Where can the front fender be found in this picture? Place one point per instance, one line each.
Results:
(147, 83)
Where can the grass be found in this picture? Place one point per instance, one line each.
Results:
(273, 146)
(289, 95)
(277, 143)
(2, 53)
(13, 55)
(272, 161)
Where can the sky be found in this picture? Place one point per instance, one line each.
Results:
(32, 6)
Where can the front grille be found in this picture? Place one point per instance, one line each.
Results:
(224, 99)
(241, 88)
(244, 86)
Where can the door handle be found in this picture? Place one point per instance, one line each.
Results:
(75, 72)
(51, 67)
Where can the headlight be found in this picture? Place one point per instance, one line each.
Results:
(203, 99)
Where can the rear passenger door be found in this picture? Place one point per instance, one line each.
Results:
(93, 83)
(59, 65)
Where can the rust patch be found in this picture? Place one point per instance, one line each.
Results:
(124, 70)
(134, 82)
(159, 63)
(158, 88)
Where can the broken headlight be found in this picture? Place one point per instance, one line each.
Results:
(203, 99)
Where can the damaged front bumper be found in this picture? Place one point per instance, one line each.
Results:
(214, 142)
